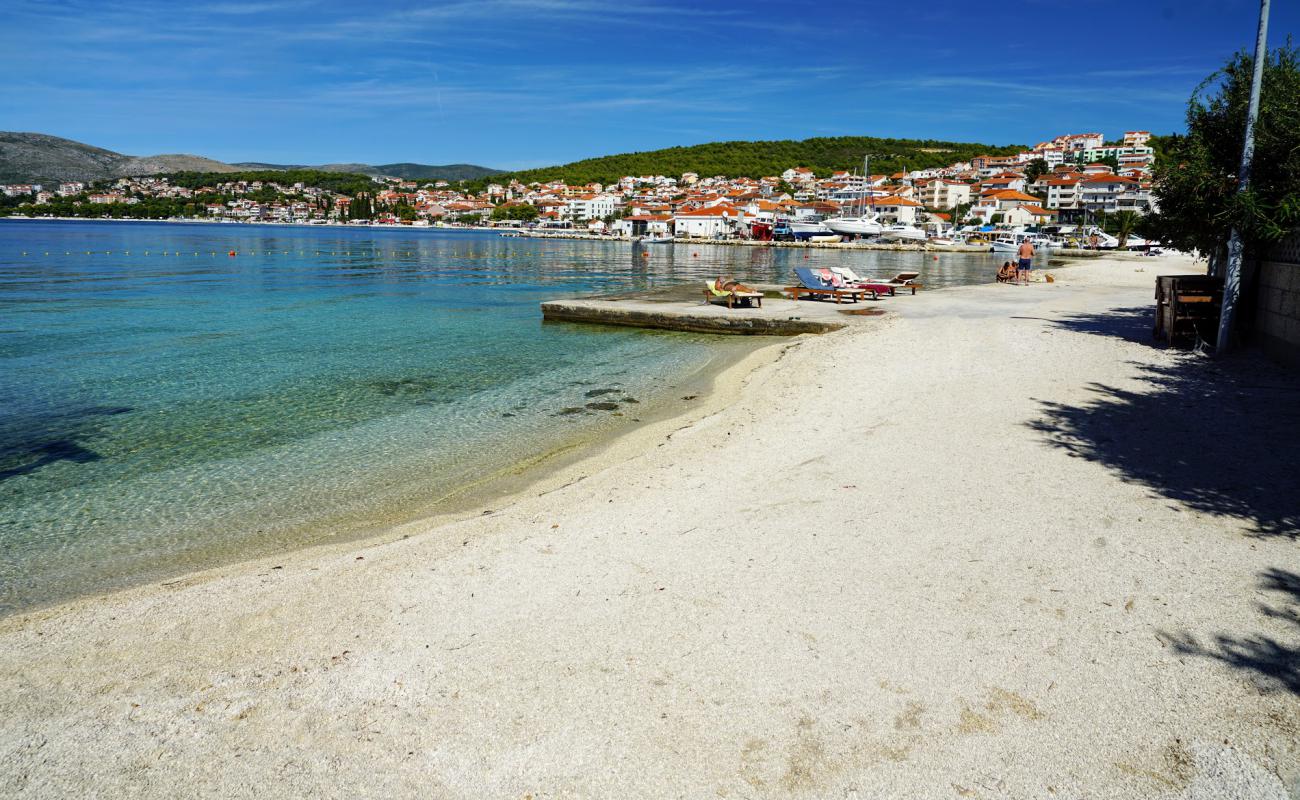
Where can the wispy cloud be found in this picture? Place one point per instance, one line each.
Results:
(501, 80)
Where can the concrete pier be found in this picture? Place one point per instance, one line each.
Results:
(675, 310)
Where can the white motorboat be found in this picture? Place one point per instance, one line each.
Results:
(1007, 243)
(858, 221)
(656, 240)
(865, 225)
(808, 228)
(903, 232)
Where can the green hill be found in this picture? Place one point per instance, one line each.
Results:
(405, 170)
(756, 159)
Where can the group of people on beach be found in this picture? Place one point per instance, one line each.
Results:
(1020, 270)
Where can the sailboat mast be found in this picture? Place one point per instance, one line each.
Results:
(866, 167)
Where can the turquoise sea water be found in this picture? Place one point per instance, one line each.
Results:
(164, 405)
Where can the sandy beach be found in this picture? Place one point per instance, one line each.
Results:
(995, 544)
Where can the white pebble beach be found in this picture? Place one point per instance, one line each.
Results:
(965, 549)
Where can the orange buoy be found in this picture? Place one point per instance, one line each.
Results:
(231, 253)
(805, 255)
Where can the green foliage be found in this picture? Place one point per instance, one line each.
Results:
(1036, 169)
(1123, 223)
(151, 208)
(361, 207)
(522, 212)
(427, 172)
(756, 159)
(346, 183)
(1196, 174)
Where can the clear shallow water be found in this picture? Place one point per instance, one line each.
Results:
(165, 406)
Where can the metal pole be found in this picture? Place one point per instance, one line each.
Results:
(1232, 276)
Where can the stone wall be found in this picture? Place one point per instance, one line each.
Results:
(1277, 302)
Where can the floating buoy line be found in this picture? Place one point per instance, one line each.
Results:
(336, 253)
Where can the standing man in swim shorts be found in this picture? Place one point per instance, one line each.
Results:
(1026, 261)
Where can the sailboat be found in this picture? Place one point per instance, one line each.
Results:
(861, 223)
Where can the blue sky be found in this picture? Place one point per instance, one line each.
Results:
(518, 83)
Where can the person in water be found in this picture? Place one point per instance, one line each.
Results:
(1026, 254)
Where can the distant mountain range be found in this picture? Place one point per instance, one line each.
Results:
(38, 158)
(406, 170)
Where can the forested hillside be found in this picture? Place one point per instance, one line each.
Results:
(756, 159)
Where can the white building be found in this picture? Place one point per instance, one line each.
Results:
(591, 206)
(943, 193)
(897, 209)
(1136, 138)
(1103, 192)
(1061, 192)
(707, 222)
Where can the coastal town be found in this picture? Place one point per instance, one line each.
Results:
(1071, 179)
(570, 400)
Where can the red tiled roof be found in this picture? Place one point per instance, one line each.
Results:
(1108, 179)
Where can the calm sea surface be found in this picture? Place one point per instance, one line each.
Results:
(165, 406)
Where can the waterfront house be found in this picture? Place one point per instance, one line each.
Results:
(643, 225)
(895, 209)
(707, 222)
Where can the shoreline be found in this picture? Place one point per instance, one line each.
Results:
(967, 573)
(899, 247)
(713, 384)
(709, 384)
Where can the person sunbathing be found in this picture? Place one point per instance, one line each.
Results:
(730, 284)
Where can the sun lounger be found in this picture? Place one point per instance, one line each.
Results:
(903, 280)
(818, 286)
(854, 281)
(712, 294)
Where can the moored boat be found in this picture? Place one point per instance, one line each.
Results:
(865, 225)
(903, 232)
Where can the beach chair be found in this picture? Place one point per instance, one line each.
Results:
(854, 281)
(903, 280)
(818, 286)
(712, 294)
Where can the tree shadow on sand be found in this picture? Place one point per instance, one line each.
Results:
(1222, 437)
(1275, 664)
(1133, 324)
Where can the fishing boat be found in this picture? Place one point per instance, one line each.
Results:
(664, 239)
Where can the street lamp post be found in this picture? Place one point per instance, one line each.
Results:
(1232, 277)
